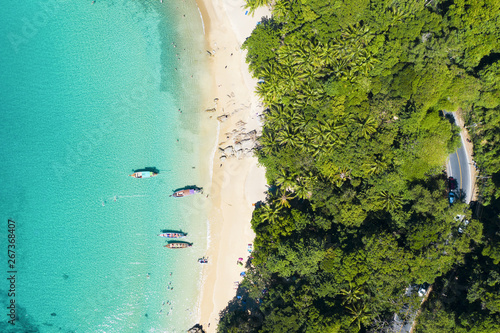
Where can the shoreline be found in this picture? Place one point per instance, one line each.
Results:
(236, 182)
(198, 142)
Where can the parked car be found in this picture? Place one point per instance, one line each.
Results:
(452, 183)
(423, 289)
(464, 224)
(451, 197)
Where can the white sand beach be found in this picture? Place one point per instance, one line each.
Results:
(237, 181)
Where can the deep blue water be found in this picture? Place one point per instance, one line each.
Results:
(90, 92)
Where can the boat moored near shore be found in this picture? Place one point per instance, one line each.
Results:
(186, 192)
(173, 234)
(178, 245)
(143, 174)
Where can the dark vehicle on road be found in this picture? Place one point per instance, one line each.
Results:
(452, 183)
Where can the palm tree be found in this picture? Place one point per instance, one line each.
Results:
(318, 141)
(284, 198)
(331, 52)
(342, 175)
(268, 71)
(287, 136)
(398, 15)
(388, 201)
(351, 296)
(368, 65)
(356, 33)
(274, 114)
(359, 312)
(314, 148)
(312, 73)
(278, 117)
(302, 190)
(299, 121)
(252, 5)
(311, 96)
(290, 78)
(339, 66)
(267, 142)
(270, 213)
(377, 166)
(271, 90)
(286, 55)
(301, 49)
(318, 54)
(286, 180)
(331, 126)
(367, 126)
(309, 178)
(281, 9)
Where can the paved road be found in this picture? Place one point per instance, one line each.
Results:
(458, 167)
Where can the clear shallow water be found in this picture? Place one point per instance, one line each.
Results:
(88, 93)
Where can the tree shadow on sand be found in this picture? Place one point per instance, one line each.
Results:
(242, 312)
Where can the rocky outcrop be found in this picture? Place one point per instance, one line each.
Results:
(196, 329)
(240, 144)
(222, 118)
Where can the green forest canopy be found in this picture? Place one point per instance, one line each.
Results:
(354, 144)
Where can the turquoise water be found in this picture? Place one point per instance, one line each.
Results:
(90, 92)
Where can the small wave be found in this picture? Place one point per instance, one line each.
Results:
(201, 17)
(208, 234)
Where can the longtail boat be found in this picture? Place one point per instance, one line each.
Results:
(178, 245)
(173, 234)
(143, 174)
(187, 192)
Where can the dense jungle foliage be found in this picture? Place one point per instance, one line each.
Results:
(354, 143)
